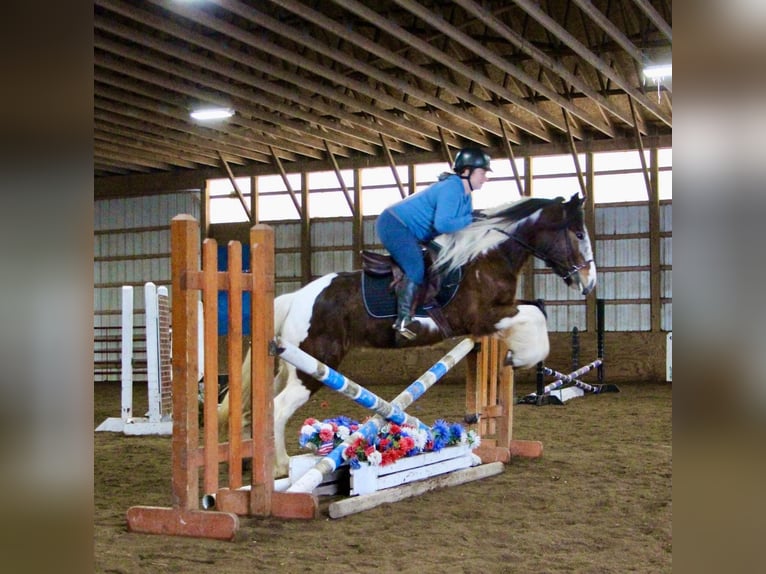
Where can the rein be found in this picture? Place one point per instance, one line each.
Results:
(546, 259)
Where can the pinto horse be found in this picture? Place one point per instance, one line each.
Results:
(328, 317)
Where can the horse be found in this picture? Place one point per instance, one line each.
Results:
(328, 317)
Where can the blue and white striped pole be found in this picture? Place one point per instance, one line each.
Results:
(345, 386)
(309, 481)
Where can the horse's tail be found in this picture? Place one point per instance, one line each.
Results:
(282, 306)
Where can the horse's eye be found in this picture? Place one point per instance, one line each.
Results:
(580, 235)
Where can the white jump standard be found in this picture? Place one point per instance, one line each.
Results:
(158, 366)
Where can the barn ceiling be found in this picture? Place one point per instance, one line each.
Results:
(369, 82)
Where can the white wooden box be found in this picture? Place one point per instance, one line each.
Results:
(369, 478)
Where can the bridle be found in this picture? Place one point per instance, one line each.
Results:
(549, 261)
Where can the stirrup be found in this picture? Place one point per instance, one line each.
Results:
(401, 328)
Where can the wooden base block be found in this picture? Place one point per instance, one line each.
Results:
(177, 522)
(527, 448)
(294, 505)
(490, 453)
(233, 501)
(364, 502)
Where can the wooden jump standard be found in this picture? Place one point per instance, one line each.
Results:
(489, 394)
(184, 517)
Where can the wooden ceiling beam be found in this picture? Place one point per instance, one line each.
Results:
(286, 140)
(225, 88)
(437, 55)
(183, 142)
(103, 151)
(398, 128)
(502, 64)
(655, 18)
(135, 108)
(531, 8)
(121, 126)
(387, 56)
(542, 58)
(141, 143)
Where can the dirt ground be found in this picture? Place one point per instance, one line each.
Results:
(599, 500)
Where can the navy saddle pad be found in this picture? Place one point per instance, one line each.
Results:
(380, 300)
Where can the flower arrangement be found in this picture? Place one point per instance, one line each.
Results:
(391, 443)
(323, 436)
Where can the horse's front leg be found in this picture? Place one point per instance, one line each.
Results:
(290, 399)
(526, 335)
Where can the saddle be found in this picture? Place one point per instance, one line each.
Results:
(437, 291)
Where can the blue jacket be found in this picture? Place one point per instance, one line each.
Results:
(443, 207)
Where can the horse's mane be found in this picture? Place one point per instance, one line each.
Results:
(462, 247)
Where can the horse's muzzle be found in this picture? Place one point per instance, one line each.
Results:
(586, 278)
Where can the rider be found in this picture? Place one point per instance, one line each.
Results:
(444, 207)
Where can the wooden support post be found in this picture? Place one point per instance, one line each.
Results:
(262, 369)
(184, 518)
(489, 391)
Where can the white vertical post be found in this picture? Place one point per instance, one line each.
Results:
(152, 351)
(127, 353)
(669, 358)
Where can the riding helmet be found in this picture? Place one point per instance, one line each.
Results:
(471, 157)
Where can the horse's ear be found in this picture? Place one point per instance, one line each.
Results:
(577, 199)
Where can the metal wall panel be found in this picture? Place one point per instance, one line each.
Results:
(331, 233)
(666, 284)
(666, 217)
(288, 265)
(666, 251)
(622, 252)
(624, 285)
(627, 317)
(616, 220)
(667, 317)
(132, 251)
(368, 232)
(324, 262)
(563, 318)
(287, 235)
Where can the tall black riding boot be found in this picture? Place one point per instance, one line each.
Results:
(406, 296)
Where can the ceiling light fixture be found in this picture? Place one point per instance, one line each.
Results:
(204, 114)
(658, 72)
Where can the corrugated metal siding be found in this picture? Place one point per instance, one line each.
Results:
(130, 250)
(368, 232)
(566, 317)
(622, 252)
(666, 217)
(624, 285)
(616, 220)
(324, 262)
(667, 317)
(666, 251)
(331, 233)
(288, 265)
(631, 317)
(287, 235)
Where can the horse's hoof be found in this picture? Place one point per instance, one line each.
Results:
(508, 361)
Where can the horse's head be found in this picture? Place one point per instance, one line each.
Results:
(550, 229)
(559, 237)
